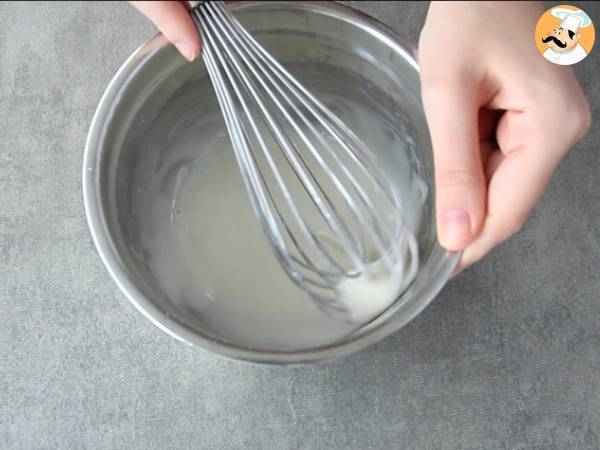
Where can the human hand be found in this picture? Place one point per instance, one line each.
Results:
(175, 23)
(501, 118)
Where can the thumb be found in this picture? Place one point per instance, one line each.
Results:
(451, 109)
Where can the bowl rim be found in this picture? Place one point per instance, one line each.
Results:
(109, 255)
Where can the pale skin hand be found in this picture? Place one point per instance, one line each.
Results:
(175, 23)
(501, 117)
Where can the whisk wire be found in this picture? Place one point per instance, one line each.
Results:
(250, 83)
(372, 223)
(301, 168)
(306, 122)
(251, 171)
(306, 98)
(289, 154)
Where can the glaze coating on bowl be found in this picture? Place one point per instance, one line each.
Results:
(296, 33)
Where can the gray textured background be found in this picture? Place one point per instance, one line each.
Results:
(508, 356)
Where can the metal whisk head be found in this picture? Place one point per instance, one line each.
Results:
(325, 206)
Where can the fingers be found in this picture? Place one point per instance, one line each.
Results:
(175, 23)
(546, 116)
(516, 184)
(531, 149)
(451, 107)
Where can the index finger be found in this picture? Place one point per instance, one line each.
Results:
(175, 23)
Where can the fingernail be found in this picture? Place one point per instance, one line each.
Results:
(187, 49)
(455, 229)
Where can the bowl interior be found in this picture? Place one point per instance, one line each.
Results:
(325, 42)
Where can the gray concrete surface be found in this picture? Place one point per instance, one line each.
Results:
(508, 356)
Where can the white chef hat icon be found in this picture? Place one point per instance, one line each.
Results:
(571, 20)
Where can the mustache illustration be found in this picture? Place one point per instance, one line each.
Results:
(556, 41)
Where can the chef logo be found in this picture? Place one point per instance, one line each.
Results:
(564, 35)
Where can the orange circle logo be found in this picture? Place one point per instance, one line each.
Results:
(564, 35)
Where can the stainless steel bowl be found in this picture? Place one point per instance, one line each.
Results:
(293, 31)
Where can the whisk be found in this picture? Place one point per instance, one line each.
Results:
(326, 207)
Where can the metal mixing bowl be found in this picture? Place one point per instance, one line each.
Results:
(292, 31)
